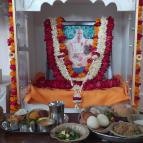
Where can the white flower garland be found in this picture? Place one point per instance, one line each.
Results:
(57, 53)
(96, 64)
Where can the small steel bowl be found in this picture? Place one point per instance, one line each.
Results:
(44, 124)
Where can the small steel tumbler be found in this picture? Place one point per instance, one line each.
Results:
(57, 111)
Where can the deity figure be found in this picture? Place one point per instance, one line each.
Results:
(79, 49)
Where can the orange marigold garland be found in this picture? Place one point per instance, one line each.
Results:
(11, 43)
(139, 53)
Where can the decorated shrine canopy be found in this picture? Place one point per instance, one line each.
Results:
(34, 5)
(67, 73)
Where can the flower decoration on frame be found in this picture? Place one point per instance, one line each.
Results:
(61, 65)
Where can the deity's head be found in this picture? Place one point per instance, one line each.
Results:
(79, 34)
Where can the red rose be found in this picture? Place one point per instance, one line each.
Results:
(10, 14)
(97, 23)
(9, 1)
(61, 39)
(13, 67)
(140, 22)
(138, 71)
(139, 36)
(89, 60)
(141, 2)
(137, 98)
(139, 51)
(47, 23)
(98, 84)
(59, 26)
(76, 98)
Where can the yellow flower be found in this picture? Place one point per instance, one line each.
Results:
(62, 46)
(97, 20)
(81, 75)
(60, 20)
(12, 48)
(69, 67)
(140, 28)
(13, 99)
(137, 78)
(12, 61)
(11, 21)
(59, 31)
(137, 91)
(13, 86)
(13, 73)
(10, 8)
(71, 72)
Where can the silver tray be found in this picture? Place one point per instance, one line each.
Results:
(112, 138)
(5, 130)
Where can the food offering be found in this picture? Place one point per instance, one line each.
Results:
(70, 132)
(123, 111)
(37, 120)
(67, 134)
(109, 123)
(97, 118)
(126, 129)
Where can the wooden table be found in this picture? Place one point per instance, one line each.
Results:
(37, 138)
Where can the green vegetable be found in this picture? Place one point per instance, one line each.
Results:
(68, 134)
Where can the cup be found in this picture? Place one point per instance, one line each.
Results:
(24, 128)
(57, 111)
(44, 124)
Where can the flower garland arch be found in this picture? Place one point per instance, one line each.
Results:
(55, 42)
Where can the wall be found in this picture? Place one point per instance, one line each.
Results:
(4, 51)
